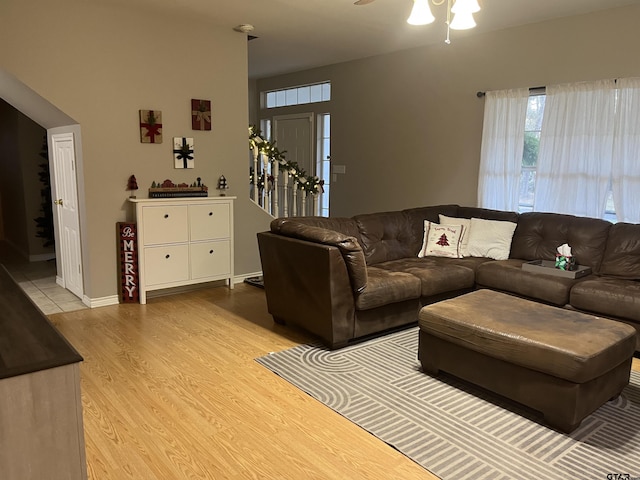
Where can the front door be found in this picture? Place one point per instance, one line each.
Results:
(294, 133)
(65, 198)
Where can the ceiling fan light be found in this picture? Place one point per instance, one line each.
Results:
(420, 13)
(462, 21)
(465, 6)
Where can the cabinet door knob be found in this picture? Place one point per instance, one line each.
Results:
(166, 215)
(167, 256)
(210, 214)
(210, 251)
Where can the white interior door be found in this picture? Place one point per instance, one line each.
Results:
(65, 197)
(294, 133)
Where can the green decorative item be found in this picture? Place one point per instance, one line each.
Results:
(565, 263)
(310, 183)
(564, 258)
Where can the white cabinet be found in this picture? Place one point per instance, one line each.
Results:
(182, 241)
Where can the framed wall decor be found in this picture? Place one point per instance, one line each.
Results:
(200, 114)
(183, 152)
(150, 126)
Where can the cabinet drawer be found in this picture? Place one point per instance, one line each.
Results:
(165, 224)
(210, 259)
(166, 264)
(209, 221)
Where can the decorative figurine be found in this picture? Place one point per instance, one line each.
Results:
(132, 185)
(222, 185)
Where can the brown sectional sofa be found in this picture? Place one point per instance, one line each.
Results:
(344, 279)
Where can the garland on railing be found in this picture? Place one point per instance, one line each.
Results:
(310, 183)
(260, 180)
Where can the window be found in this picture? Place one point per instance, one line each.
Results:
(323, 167)
(319, 92)
(533, 126)
(532, 130)
(265, 128)
(571, 150)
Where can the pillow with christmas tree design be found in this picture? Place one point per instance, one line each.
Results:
(441, 240)
(466, 223)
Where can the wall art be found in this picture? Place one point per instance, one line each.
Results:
(150, 126)
(200, 114)
(183, 152)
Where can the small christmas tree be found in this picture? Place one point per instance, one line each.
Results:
(443, 241)
(132, 185)
(45, 221)
(222, 185)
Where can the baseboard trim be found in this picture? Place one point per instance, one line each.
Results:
(101, 301)
(114, 299)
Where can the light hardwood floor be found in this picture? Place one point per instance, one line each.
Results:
(171, 390)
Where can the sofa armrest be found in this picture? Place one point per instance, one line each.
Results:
(347, 245)
(307, 284)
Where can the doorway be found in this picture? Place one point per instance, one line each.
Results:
(49, 117)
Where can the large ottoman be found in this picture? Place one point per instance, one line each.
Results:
(560, 362)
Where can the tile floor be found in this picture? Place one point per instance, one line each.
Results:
(38, 280)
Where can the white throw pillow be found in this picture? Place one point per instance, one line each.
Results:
(441, 240)
(466, 223)
(490, 238)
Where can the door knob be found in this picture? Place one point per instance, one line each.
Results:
(58, 202)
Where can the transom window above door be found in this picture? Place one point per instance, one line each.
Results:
(319, 92)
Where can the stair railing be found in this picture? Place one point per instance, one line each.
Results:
(280, 187)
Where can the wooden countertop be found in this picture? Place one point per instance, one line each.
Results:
(28, 341)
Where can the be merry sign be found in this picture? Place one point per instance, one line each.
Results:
(128, 265)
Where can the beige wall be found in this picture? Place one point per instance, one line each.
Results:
(100, 65)
(408, 125)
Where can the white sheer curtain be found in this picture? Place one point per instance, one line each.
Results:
(505, 113)
(626, 152)
(576, 145)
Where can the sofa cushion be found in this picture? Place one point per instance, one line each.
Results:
(348, 246)
(469, 262)
(385, 236)
(538, 235)
(490, 238)
(437, 275)
(442, 240)
(622, 254)
(508, 276)
(608, 296)
(385, 287)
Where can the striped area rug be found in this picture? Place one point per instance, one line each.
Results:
(455, 430)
